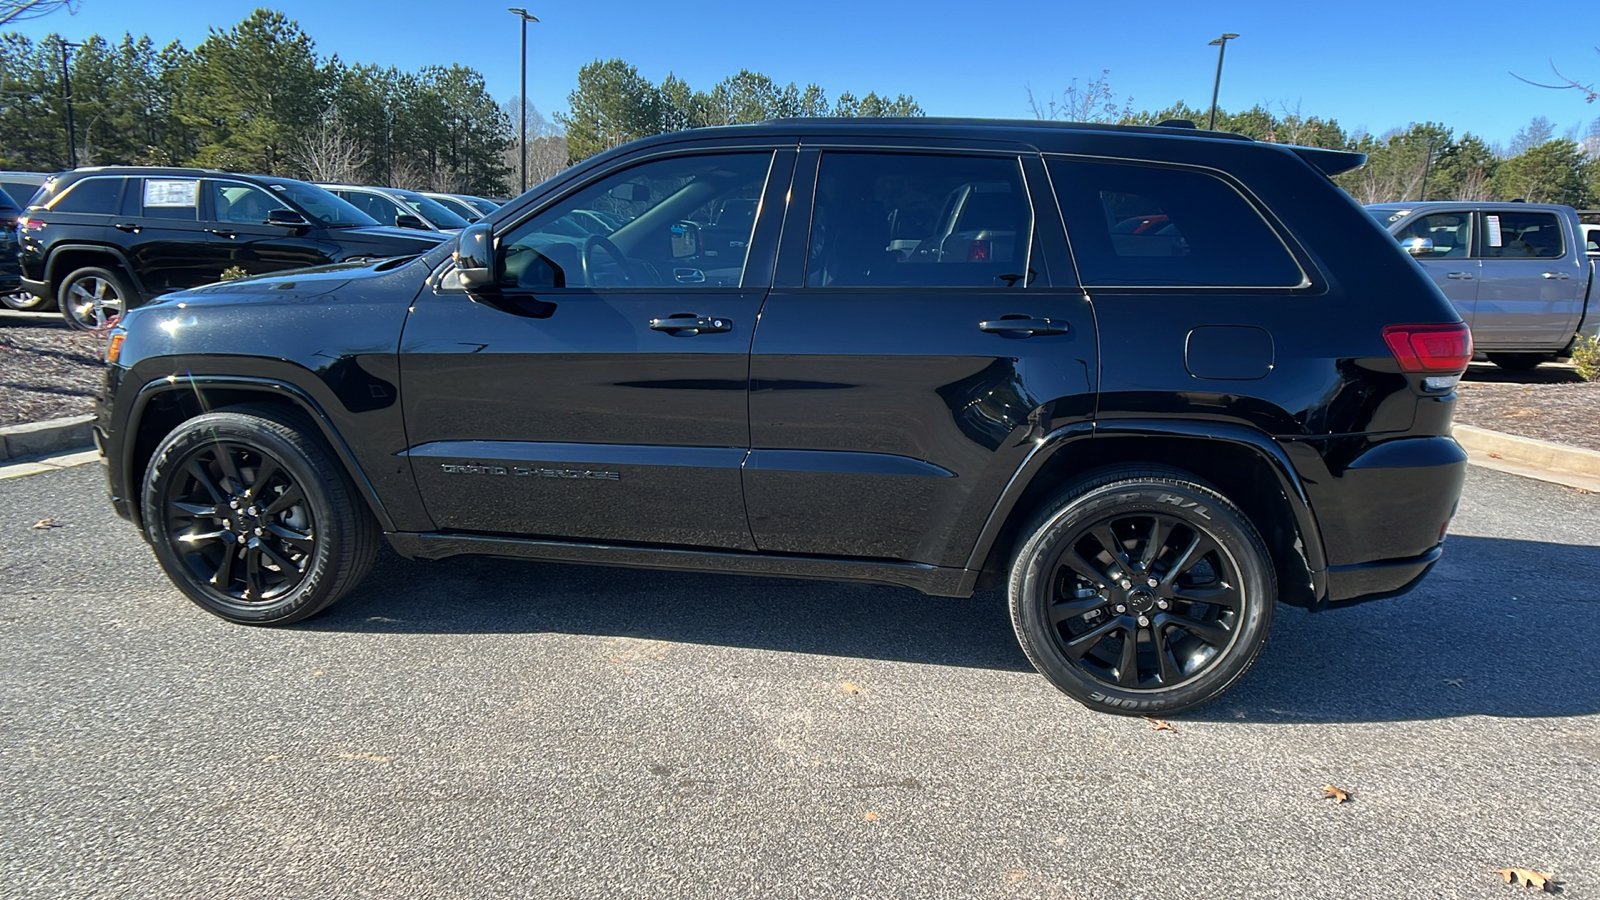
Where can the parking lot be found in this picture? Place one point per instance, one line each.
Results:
(477, 728)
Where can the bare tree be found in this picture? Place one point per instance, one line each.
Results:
(18, 10)
(328, 151)
(1564, 83)
(547, 146)
(406, 173)
(1094, 102)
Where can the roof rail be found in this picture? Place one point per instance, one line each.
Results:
(1166, 127)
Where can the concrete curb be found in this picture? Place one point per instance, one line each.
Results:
(1572, 466)
(42, 438)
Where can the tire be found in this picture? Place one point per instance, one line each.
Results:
(236, 556)
(26, 301)
(92, 298)
(1198, 606)
(1519, 362)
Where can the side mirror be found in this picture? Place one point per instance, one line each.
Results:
(1418, 246)
(477, 263)
(287, 218)
(685, 240)
(407, 220)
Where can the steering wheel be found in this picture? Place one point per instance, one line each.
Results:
(594, 242)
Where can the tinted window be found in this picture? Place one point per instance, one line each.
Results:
(883, 220)
(1158, 226)
(1521, 235)
(460, 208)
(375, 205)
(171, 198)
(91, 195)
(321, 204)
(21, 191)
(242, 204)
(672, 228)
(431, 210)
(1451, 233)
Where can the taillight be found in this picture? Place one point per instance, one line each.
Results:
(1438, 351)
(978, 251)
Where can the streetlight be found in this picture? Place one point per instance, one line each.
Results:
(66, 96)
(1221, 44)
(525, 20)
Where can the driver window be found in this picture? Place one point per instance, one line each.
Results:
(1451, 233)
(680, 222)
(241, 203)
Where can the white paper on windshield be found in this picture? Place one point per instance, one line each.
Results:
(1493, 224)
(170, 193)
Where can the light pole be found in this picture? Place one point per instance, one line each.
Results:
(524, 140)
(1221, 44)
(66, 96)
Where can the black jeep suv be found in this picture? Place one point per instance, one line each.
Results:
(1152, 380)
(99, 241)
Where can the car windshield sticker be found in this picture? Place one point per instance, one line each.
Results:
(169, 193)
(1493, 224)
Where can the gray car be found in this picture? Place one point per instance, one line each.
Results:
(1518, 273)
(398, 207)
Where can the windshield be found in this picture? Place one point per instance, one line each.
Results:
(431, 210)
(320, 204)
(459, 207)
(1386, 215)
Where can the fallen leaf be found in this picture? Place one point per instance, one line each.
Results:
(1453, 682)
(850, 687)
(47, 523)
(1495, 456)
(272, 757)
(870, 816)
(367, 757)
(317, 674)
(1332, 793)
(1159, 724)
(1016, 874)
(1525, 877)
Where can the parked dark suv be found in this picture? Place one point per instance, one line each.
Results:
(102, 240)
(936, 354)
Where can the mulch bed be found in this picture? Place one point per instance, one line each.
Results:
(1550, 403)
(48, 371)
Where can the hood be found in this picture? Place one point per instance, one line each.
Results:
(426, 240)
(296, 284)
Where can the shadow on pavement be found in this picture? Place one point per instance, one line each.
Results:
(1501, 628)
(1548, 373)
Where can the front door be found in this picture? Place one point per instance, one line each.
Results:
(236, 215)
(599, 391)
(913, 346)
(1450, 262)
(1532, 286)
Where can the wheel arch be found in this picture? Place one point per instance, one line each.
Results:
(66, 258)
(1247, 466)
(163, 405)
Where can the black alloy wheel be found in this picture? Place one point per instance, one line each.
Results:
(253, 520)
(1142, 594)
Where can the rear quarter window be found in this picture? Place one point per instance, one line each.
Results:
(91, 195)
(1138, 225)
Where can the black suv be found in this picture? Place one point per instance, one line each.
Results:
(1150, 379)
(99, 241)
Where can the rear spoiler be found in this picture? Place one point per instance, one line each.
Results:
(1331, 162)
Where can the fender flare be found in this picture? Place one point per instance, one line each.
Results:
(1258, 442)
(304, 401)
(51, 266)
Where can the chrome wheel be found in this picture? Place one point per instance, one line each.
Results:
(93, 302)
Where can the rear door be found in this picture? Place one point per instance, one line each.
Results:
(1533, 283)
(166, 240)
(1451, 263)
(914, 345)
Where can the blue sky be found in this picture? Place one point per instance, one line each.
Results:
(1370, 65)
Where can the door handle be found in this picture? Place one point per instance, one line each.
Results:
(689, 326)
(129, 227)
(1561, 275)
(222, 232)
(1460, 276)
(1024, 326)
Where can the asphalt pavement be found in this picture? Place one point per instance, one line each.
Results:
(480, 728)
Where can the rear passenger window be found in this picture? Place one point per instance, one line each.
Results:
(91, 195)
(897, 220)
(1450, 232)
(172, 198)
(1522, 235)
(1155, 226)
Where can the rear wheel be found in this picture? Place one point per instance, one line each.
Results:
(253, 519)
(27, 301)
(93, 298)
(1142, 592)
(1519, 362)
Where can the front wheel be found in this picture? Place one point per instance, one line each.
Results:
(253, 519)
(1142, 593)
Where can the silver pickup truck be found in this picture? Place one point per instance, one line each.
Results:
(1519, 273)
